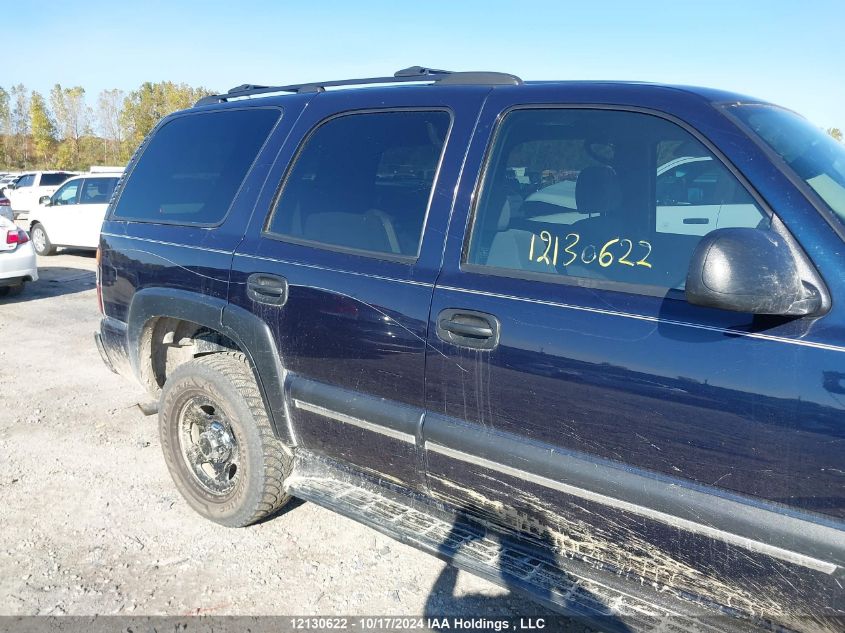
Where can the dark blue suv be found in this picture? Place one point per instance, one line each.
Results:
(581, 338)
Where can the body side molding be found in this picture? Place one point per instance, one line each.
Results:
(386, 417)
(801, 539)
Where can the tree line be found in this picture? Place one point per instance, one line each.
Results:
(63, 130)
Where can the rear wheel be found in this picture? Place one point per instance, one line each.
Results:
(40, 241)
(218, 442)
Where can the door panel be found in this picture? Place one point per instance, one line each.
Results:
(654, 384)
(612, 420)
(352, 331)
(90, 217)
(21, 196)
(64, 227)
(91, 210)
(60, 218)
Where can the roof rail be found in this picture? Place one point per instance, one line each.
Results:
(413, 73)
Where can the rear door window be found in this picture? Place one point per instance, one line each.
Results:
(194, 165)
(51, 180)
(97, 190)
(362, 182)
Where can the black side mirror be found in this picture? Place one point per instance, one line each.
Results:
(748, 270)
(44, 200)
(11, 185)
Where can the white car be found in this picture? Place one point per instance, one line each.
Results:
(694, 196)
(17, 258)
(6, 208)
(7, 179)
(73, 216)
(25, 192)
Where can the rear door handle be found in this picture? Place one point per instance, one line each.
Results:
(468, 328)
(267, 288)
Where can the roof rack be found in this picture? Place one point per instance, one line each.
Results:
(406, 75)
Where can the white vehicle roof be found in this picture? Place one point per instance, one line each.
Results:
(105, 169)
(90, 176)
(48, 171)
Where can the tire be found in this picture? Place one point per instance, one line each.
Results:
(40, 242)
(218, 443)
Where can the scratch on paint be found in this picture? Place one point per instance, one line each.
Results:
(391, 319)
(627, 555)
(177, 265)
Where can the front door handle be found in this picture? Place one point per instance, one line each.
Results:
(267, 288)
(468, 328)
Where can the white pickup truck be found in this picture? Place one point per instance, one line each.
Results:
(30, 187)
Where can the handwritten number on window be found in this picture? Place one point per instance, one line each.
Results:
(568, 248)
(624, 259)
(643, 261)
(605, 256)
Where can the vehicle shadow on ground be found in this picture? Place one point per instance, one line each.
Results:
(54, 281)
(517, 606)
(85, 253)
(442, 602)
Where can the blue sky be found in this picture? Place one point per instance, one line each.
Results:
(788, 52)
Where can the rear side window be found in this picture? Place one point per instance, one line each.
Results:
(51, 180)
(602, 195)
(192, 168)
(362, 182)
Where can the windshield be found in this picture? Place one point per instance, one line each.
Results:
(811, 153)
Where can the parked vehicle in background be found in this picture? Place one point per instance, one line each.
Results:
(25, 192)
(106, 169)
(17, 258)
(73, 215)
(694, 196)
(6, 208)
(6, 180)
(631, 408)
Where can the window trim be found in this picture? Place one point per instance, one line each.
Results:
(381, 255)
(79, 193)
(598, 284)
(645, 290)
(145, 145)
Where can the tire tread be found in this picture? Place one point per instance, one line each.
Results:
(235, 368)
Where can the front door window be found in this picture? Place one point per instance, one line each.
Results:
(66, 195)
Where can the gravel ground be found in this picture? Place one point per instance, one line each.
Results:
(91, 523)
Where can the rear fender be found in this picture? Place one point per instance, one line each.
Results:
(246, 330)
